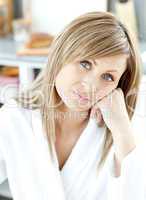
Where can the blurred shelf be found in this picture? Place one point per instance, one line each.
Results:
(8, 55)
(26, 64)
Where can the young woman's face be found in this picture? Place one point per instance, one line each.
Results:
(82, 83)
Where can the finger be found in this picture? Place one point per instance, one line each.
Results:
(102, 123)
(96, 113)
(92, 112)
(101, 120)
(121, 91)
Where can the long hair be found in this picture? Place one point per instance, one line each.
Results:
(89, 36)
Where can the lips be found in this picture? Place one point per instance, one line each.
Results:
(83, 97)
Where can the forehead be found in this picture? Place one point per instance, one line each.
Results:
(116, 62)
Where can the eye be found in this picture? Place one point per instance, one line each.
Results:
(86, 64)
(108, 77)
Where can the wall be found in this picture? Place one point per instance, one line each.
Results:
(52, 16)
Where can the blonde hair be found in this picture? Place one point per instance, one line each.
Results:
(89, 36)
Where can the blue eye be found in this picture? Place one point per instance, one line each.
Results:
(108, 77)
(86, 64)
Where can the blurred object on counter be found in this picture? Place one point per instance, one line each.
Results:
(9, 83)
(6, 16)
(17, 7)
(9, 71)
(37, 44)
(4, 80)
(39, 40)
(123, 1)
(111, 6)
(26, 9)
(140, 9)
(9, 87)
(21, 29)
(33, 52)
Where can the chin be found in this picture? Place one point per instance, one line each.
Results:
(76, 107)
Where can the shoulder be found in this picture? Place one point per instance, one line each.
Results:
(12, 109)
(14, 118)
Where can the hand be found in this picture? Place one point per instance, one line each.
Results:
(111, 110)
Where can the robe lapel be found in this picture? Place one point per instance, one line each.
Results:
(47, 171)
(82, 162)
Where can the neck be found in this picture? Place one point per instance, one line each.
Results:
(69, 121)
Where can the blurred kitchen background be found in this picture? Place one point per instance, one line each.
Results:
(27, 28)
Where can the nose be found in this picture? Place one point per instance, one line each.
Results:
(90, 89)
(91, 83)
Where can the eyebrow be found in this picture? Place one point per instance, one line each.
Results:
(95, 63)
(112, 71)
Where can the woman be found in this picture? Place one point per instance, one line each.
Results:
(69, 136)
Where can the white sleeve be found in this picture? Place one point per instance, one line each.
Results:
(3, 125)
(3, 174)
(131, 184)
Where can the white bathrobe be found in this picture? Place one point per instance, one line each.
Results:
(25, 161)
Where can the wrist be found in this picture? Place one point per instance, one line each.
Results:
(122, 127)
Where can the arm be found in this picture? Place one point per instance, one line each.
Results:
(127, 179)
(124, 143)
(131, 184)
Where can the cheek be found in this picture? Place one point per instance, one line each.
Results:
(104, 90)
(67, 77)
(64, 82)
